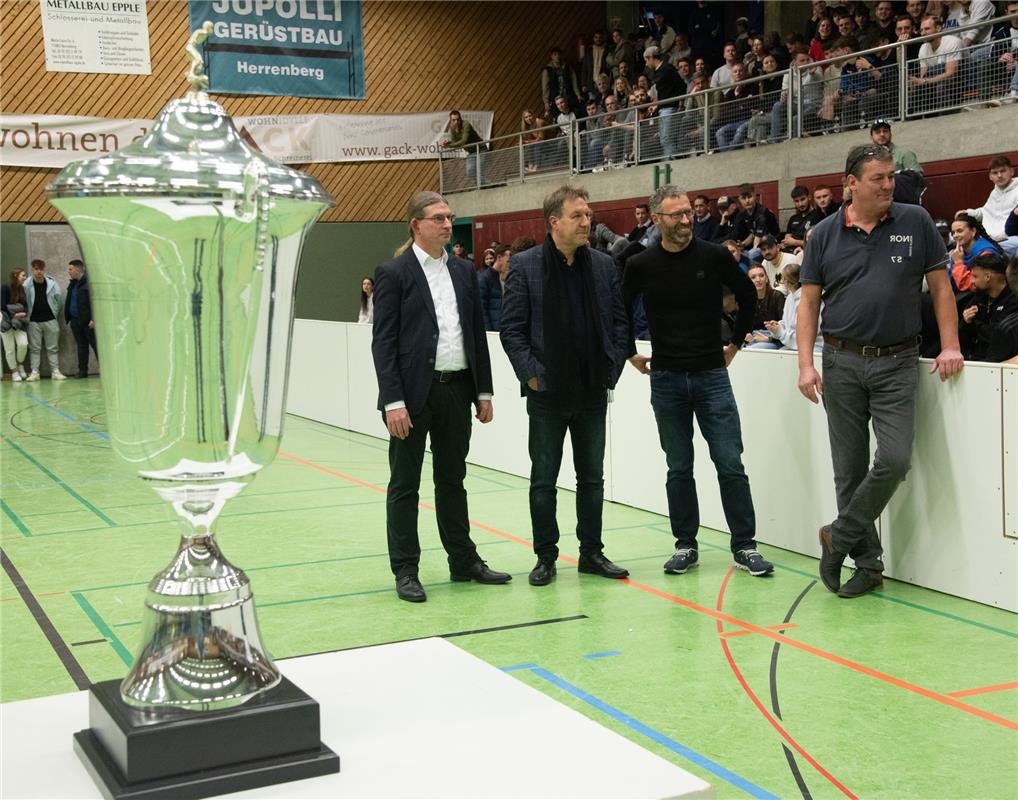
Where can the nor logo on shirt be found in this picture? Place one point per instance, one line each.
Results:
(898, 253)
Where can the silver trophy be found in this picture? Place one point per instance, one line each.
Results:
(192, 240)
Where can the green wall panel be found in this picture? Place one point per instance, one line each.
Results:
(337, 255)
(13, 249)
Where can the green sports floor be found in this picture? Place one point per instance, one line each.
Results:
(767, 687)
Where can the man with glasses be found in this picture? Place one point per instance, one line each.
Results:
(565, 333)
(867, 264)
(431, 362)
(682, 280)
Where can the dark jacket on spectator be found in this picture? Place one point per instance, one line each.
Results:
(762, 221)
(78, 291)
(976, 335)
(668, 83)
(490, 285)
(738, 103)
(706, 229)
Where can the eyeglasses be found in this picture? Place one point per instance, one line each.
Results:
(439, 219)
(878, 152)
(677, 214)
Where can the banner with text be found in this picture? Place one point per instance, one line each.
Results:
(294, 48)
(104, 36)
(28, 140)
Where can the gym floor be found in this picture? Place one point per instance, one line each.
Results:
(770, 687)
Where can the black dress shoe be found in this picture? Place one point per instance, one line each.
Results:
(861, 582)
(543, 573)
(597, 564)
(830, 561)
(479, 572)
(409, 588)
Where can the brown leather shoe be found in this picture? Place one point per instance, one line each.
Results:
(830, 561)
(861, 582)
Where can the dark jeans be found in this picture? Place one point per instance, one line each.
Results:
(676, 398)
(447, 418)
(84, 337)
(858, 390)
(582, 413)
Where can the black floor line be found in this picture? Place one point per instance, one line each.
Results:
(793, 765)
(58, 644)
(89, 641)
(532, 624)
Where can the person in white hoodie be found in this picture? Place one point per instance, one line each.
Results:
(783, 333)
(999, 205)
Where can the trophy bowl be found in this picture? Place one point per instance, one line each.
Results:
(192, 240)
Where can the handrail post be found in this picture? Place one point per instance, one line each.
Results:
(902, 82)
(441, 173)
(522, 164)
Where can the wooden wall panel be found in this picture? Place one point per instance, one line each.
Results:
(419, 56)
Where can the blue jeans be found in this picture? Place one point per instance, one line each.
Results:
(667, 131)
(726, 136)
(582, 413)
(676, 398)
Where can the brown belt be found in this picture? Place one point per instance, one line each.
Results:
(871, 350)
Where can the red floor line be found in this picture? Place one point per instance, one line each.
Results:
(782, 627)
(984, 689)
(710, 612)
(760, 706)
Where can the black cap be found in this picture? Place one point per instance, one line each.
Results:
(768, 241)
(880, 123)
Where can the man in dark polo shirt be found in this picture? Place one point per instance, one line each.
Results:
(682, 280)
(867, 263)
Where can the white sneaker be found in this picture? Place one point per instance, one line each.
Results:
(21, 371)
(57, 375)
(33, 376)
(16, 376)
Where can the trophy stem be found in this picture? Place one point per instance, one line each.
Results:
(201, 648)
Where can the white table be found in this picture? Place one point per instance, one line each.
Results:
(420, 719)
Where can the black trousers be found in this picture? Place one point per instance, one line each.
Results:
(447, 418)
(84, 337)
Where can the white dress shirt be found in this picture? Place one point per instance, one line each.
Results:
(450, 355)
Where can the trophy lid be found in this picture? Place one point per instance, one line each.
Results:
(193, 150)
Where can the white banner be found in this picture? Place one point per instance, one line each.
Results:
(104, 36)
(28, 140)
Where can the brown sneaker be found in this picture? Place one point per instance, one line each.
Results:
(830, 561)
(861, 582)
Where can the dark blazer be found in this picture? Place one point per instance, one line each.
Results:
(405, 330)
(490, 284)
(84, 315)
(522, 332)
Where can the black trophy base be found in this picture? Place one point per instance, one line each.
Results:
(184, 755)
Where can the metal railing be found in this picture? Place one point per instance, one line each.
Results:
(822, 99)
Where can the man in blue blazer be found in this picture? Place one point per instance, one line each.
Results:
(431, 360)
(565, 331)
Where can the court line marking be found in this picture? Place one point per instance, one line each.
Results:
(651, 733)
(70, 663)
(103, 628)
(61, 483)
(793, 765)
(756, 700)
(717, 615)
(1000, 687)
(21, 526)
(83, 425)
(603, 654)
(784, 626)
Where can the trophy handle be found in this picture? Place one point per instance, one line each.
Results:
(196, 70)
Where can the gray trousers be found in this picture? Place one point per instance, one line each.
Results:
(47, 333)
(857, 390)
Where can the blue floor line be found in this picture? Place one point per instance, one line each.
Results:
(83, 425)
(656, 736)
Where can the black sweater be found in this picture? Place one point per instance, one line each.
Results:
(682, 293)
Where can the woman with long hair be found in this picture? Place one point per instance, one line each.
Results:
(770, 305)
(14, 325)
(367, 312)
(825, 36)
(971, 240)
